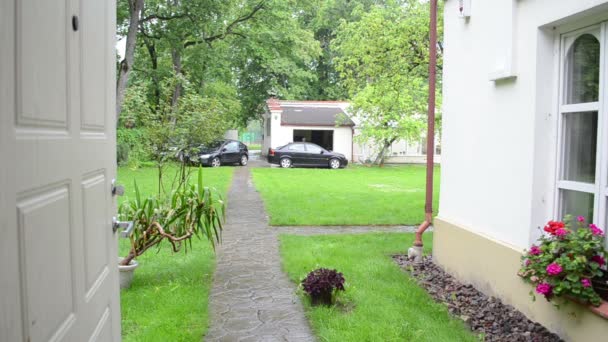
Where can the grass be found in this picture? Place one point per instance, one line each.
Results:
(169, 296)
(381, 302)
(252, 147)
(352, 196)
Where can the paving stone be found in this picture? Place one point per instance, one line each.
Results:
(248, 276)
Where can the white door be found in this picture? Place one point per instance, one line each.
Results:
(58, 274)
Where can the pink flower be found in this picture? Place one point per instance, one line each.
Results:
(554, 269)
(534, 250)
(581, 219)
(528, 262)
(599, 259)
(595, 230)
(562, 232)
(544, 289)
(586, 282)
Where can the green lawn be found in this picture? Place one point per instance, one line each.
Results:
(169, 295)
(381, 302)
(352, 196)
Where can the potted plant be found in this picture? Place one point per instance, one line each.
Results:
(566, 261)
(188, 210)
(321, 284)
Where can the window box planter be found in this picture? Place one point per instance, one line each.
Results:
(600, 285)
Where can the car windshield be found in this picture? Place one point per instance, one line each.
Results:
(212, 146)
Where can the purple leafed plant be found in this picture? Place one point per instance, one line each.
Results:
(321, 283)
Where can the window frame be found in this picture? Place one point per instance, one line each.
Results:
(599, 189)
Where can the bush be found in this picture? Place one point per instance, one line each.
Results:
(132, 147)
(122, 153)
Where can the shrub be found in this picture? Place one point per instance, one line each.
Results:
(321, 283)
(565, 260)
(132, 146)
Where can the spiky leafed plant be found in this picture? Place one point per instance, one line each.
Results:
(189, 210)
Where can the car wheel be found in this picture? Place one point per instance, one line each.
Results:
(215, 162)
(285, 163)
(244, 160)
(334, 164)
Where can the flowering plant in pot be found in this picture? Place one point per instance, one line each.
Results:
(566, 260)
(321, 284)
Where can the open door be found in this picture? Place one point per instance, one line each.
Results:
(58, 258)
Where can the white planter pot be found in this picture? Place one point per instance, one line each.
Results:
(126, 273)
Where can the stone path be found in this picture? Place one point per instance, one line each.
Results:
(252, 299)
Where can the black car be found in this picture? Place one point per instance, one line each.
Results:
(305, 154)
(218, 153)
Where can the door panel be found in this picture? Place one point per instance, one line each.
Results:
(95, 239)
(49, 301)
(42, 76)
(57, 142)
(94, 65)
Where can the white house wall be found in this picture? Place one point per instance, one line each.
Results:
(499, 137)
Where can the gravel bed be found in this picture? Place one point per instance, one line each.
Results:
(487, 316)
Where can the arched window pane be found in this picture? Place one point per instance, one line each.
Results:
(580, 146)
(583, 70)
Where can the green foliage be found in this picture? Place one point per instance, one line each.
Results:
(183, 212)
(132, 147)
(381, 302)
(383, 62)
(136, 108)
(564, 262)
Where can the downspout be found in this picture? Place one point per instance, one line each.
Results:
(415, 252)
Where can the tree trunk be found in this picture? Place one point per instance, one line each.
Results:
(135, 8)
(154, 61)
(380, 157)
(177, 68)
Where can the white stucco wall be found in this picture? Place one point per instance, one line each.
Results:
(499, 138)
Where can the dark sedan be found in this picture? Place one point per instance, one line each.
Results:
(305, 154)
(219, 153)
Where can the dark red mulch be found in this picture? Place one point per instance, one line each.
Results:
(486, 316)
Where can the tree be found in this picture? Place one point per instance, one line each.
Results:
(171, 26)
(383, 63)
(134, 11)
(323, 18)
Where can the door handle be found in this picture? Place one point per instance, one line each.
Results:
(126, 225)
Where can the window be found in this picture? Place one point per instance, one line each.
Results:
(296, 147)
(310, 148)
(232, 146)
(268, 126)
(582, 184)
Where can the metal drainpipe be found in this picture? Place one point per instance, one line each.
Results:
(415, 252)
